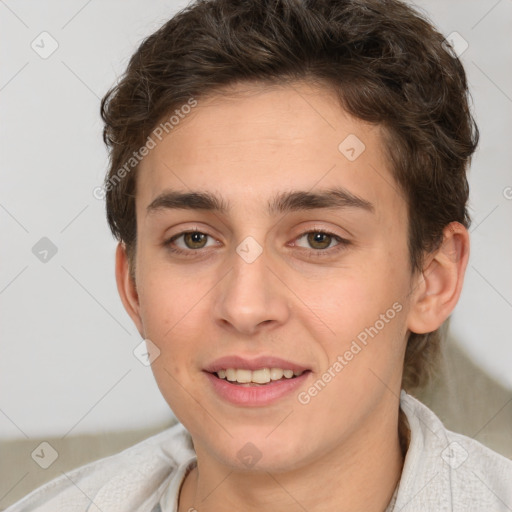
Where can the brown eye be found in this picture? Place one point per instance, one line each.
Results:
(188, 242)
(320, 243)
(195, 239)
(319, 240)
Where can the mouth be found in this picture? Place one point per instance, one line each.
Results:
(259, 377)
(258, 382)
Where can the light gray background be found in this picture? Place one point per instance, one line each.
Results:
(66, 361)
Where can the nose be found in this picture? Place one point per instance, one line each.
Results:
(251, 297)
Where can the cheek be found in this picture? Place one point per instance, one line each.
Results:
(170, 322)
(174, 308)
(166, 293)
(364, 361)
(164, 305)
(366, 306)
(349, 301)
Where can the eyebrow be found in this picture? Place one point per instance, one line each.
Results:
(332, 198)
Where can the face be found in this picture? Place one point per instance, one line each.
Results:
(301, 264)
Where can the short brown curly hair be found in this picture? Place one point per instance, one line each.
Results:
(386, 62)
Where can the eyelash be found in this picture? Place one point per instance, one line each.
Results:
(342, 243)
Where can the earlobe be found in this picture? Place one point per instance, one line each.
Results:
(437, 290)
(126, 287)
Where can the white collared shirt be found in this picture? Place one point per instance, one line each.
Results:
(443, 471)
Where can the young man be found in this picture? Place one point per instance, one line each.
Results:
(288, 187)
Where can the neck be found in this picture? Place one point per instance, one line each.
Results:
(359, 475)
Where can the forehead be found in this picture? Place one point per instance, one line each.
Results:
(250, 142)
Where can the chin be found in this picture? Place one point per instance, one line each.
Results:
(260, 454)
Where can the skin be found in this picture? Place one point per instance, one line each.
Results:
(340, 451)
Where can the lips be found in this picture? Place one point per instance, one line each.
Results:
(254, 394)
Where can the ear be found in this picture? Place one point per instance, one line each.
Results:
(437, 289)
(127, 288)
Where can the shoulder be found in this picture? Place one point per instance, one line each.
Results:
(133, 478)
(444, 470)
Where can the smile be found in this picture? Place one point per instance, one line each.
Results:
(261, 376)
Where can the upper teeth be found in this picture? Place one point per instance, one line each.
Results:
(261, 376)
